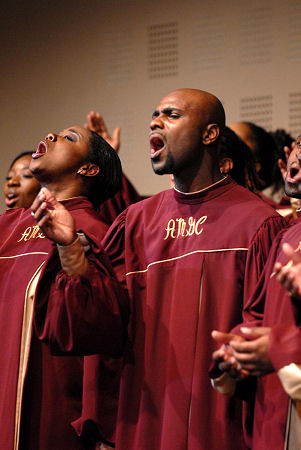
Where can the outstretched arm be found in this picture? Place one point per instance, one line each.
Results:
(96, 123)
(80, 307)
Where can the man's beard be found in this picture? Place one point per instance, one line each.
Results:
(167, 168)
(292, 190)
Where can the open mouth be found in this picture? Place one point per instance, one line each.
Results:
(41, 150)
(294, 175)
(157, 145)
(11, 199)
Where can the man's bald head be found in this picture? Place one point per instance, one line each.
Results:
(208, 104)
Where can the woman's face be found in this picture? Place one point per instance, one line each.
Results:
(60, 155)
(20, 187)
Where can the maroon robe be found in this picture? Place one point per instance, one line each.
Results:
(271, 406)
(188, 263)
(112, 207)
(53, 390)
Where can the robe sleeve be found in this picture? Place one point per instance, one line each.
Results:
(285, 354)
(85, 314)
(112, 207)
(256, 260)
(285, 345)
(259, 266)
(254, 292)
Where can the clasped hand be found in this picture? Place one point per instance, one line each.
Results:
(241, 356)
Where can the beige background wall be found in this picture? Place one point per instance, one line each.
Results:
(61, 59)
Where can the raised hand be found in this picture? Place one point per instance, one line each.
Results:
(53, 219)
(96, 123)
(289, 275)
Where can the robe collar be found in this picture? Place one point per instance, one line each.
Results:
(208, 193)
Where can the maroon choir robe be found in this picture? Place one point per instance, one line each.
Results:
(188, 262)
(280, 313)
(52, 392)
(112, 207)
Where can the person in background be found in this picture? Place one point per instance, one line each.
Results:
(20, 187)
(175, 254)
(268, 344)
(283, 140)
(127, 194)
(264, 150)
(237, 160)
(287, 206)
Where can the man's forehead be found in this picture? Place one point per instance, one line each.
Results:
(185, 99)
(177, 106)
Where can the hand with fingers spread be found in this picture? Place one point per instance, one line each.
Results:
(289, 275)
(53, 219)
(252, 354)
(224, 355)
(96, 123)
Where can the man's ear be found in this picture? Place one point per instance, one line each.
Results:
(225, 165)
(89, 170)
(210, 133)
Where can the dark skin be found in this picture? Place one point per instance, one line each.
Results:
(58, 167)
(292, 185)
(96, 123)
(240, 356)
(186, 125)
(20, 187)
(63, 172)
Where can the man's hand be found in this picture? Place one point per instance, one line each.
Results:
(53, 219)
(290, 274)
(252, 354)
(224, 355)
(96, 123)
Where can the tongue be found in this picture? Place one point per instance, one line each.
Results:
(10, 201)
(36, 155)
(40, 150)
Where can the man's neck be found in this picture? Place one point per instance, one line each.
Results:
(202, 189)
(198, 183)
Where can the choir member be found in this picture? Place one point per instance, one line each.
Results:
(268, 346)
(41, 395)
(20, 187)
